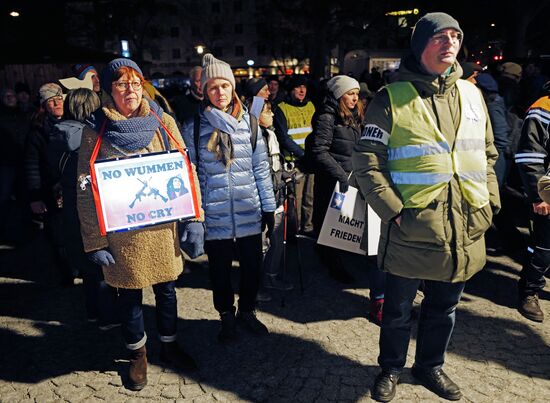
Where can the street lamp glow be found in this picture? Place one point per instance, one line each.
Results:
(493, 24)
(14, 13)
(200, 49)
(250, 62)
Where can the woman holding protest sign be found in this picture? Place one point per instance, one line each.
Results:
(336, 129)
(237, 191)
(129, 125)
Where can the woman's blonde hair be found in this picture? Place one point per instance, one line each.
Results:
(80, 104)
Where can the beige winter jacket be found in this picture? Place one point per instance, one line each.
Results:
(143, 257)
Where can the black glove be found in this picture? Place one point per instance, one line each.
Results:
(268, 221)
(344, 186)
(101, 257)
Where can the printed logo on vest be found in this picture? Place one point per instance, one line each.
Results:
(471, 114)
(374, 133)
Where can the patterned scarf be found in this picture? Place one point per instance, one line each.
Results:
(225, 124)
(130, 134)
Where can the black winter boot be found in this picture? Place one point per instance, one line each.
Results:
(529, 307)
(171, 353)
(228, 331)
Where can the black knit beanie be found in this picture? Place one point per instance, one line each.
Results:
(253, 86)
(426, 27)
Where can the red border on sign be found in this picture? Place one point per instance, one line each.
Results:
(95, 189)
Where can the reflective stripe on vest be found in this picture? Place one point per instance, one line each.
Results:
(298, 121)
(420, 160)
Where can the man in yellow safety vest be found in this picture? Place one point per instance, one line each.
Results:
(292, 123)
(425, 165)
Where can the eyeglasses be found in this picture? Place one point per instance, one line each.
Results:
(124, 85)
(55, 99)
(439, 39)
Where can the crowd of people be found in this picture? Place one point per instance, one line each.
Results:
(439, 149)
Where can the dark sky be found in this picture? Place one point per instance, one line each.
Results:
(41, 22)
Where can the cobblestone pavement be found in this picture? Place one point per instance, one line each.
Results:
(321, 346)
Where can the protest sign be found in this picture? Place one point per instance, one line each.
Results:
(345, 222)
(257, 106)
(144, 190)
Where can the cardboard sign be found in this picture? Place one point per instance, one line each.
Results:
(345, 223)
(144, 190)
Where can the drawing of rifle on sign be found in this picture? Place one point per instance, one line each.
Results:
(152, 192)
(139, 194)
(122, 208)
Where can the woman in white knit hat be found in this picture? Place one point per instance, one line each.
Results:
(336, 128)
(235, 180)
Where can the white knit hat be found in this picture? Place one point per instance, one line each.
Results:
(339, 85)
(215, 68)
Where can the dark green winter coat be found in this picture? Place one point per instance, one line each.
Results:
(444, 241)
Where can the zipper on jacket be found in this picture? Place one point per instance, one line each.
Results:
(231, 203)
(441, 86)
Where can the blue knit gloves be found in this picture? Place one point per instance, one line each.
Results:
(101, 257)
(192, 238)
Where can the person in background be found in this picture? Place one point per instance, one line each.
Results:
(292, 125)
(187, 105)
(276, 93)
(509, 235)
(235, 182)
(81, 70)
(470, 71)
(509, 88)
(42, 174)
(532, 161)
(14, 126)
(100, 298)
(272, 243)
(365, 95)
(130, 124)
(336, 129)
(497, 113)
(424, 163)
(23, 93)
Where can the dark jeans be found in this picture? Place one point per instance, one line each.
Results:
(101, 299)
(131, 313)
(531, 279)
(220, 256)
(435, 326)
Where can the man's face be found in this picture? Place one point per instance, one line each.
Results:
(273, 87)
(9, 99)
(441, 51)
(299, 93)
(95, 81)
(23, 97)
(196, 82)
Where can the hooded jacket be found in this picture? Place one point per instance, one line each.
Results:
(445, 240)
(144, 256)
(233, 197)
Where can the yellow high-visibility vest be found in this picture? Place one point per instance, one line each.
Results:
(421, 161)
(298, 121)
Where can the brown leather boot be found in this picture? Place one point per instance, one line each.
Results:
(137, 373)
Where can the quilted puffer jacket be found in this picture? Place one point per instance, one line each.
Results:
(235, 196)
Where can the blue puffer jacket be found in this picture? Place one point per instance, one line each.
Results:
(233, 199)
